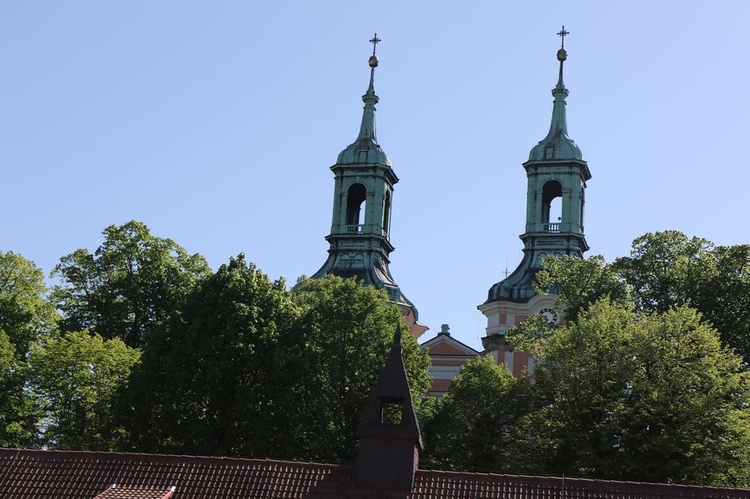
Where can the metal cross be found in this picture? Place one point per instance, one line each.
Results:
(561, 34)
(375, 40)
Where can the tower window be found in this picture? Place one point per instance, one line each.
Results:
(552, 206)
(387, 213)
(580, 212)
(355, 204)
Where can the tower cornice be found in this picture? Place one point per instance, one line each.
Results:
(553, 165)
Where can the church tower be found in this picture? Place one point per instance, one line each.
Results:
(557, 176)
(359, 241)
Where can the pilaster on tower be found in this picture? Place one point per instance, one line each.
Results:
(359, 241)
(556, 184)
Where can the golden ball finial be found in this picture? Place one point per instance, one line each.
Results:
(373, 61)
(562, 55)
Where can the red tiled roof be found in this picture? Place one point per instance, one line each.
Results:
(27, 474)
(450, 485)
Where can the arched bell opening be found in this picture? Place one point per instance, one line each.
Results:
(552, 206)
(386, 213)
(355, 207)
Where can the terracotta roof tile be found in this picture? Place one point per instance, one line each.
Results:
(449, 485)
(136, 492)
(27, 474)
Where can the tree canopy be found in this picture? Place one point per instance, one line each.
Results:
(343, 339)
(209, 379)
(25, 312)
(76, 378)
(474, 426)
(131, 283)
(249, 368)
(25, 318)
(647, 397)
(664, 270)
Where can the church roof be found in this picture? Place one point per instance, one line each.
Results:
(27, 474)
(445, 344)
(557, 144)
(366, 150)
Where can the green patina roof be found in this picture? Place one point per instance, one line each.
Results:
(557, 144)
(366, 150)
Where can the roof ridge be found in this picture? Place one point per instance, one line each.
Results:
(566, 478)
(19, 452)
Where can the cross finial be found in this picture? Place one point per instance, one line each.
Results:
(375, 40)
(561, 34)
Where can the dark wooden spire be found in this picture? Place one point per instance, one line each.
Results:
(389, 438)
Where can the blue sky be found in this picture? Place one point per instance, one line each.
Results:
(215, 124)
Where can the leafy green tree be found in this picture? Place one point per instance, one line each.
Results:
(580, 282)
(77, 378)
(18, 415)
(722, 294)
(664, 269)
(646, 397)
(25, 314)
(131, 283)
(474, 427)
(250, 369)
(25, 317)
(668, 269)
(211, 378)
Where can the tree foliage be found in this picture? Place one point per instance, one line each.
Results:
(131, 283)
(250, 369)
(342, 342)
(25, 317)
(636, 385)
(580, 282)
(474, 426)
(724, 299)
(647, 397)
(664, 270)
(209, 381)
(25, 313)
(77, 378)
(668, 269)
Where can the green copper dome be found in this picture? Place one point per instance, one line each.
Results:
(366, 150)
(557, 144)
